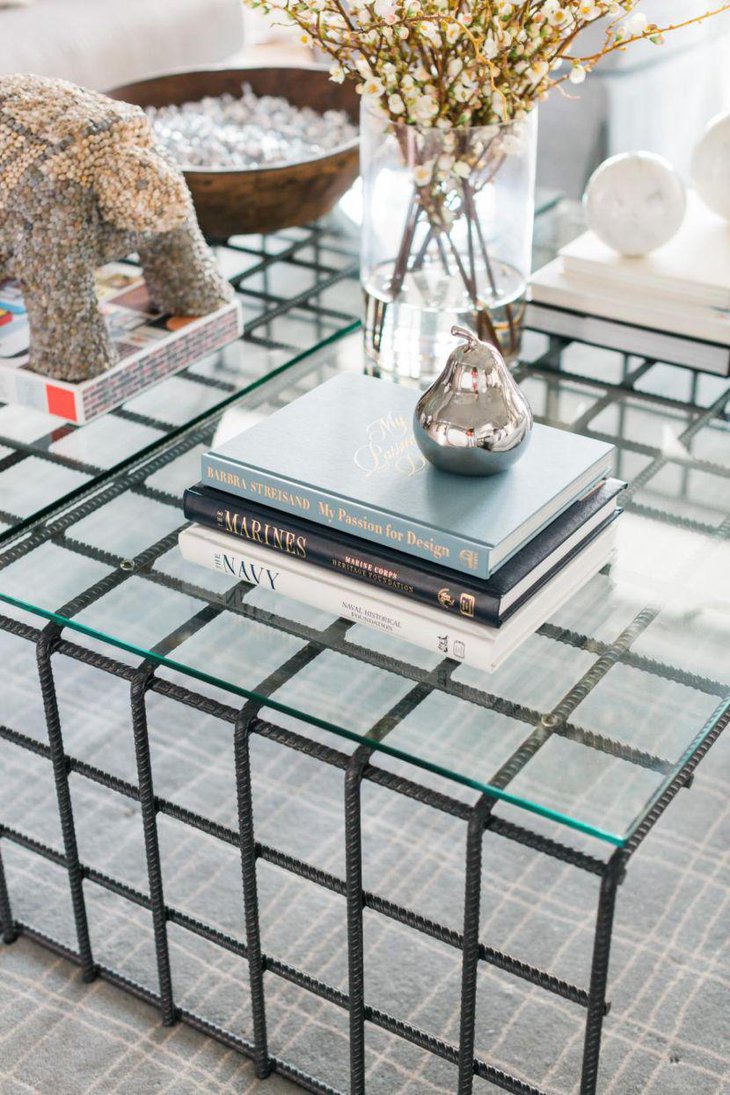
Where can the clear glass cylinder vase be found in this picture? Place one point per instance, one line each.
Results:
(446, 237)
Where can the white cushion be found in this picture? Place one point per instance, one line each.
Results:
(101, 43)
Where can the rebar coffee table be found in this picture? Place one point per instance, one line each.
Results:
(569, 754)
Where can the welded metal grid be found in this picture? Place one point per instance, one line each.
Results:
(558, 370)
(295, 288)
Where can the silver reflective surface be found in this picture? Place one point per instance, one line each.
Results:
(473, 420)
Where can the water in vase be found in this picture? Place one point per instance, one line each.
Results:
(410, 334)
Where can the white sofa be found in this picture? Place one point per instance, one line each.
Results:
(103, 43)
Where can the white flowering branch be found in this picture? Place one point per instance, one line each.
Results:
(464, 62)
(620, 39)
(459, 76)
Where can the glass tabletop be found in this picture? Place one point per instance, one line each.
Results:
(295, 287)
(585, 725)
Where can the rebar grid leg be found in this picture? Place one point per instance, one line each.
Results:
(247, 844)
(47, 642)
(355, 940)
(470, 954)
(7, 924)
(140, 683)
(612, 876)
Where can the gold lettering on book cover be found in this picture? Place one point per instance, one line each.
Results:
(439, 551)
(389, 532)
(276, 494)
(469, 558)
(231, 521)
(389, 446)
(230, 478)
(467, 603)
(261, 532)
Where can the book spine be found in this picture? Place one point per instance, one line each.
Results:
(449, 549)
(627, 337)
(381, 611)
(86, 400)
(203, 336)
(32, 390)
(670, 289)
(361, 561)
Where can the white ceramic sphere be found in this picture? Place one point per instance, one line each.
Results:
(711, 166)
(635, 202)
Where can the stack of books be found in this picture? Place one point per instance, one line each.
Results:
(330, 502)
(672, 305)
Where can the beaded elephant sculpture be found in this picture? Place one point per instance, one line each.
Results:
(81, 184)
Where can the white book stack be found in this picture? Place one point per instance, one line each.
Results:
(672, 304)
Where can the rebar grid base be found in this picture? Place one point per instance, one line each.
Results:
(356, 768)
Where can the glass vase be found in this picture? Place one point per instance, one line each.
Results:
(446, 237)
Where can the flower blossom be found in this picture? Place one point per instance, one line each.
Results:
(449, 64)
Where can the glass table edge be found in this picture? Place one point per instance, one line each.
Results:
(575, 824)
(59, 504)
(700, 737)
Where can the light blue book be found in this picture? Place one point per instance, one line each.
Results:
(344, 455)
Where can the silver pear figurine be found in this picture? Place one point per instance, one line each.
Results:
(473, 420)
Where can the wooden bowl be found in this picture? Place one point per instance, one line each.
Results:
(231, 201)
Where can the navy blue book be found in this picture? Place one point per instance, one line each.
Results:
(490, 601)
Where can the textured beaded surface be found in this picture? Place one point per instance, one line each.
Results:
(82, 183)
(247, 132)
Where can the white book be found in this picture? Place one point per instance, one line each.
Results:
(705, 357)
(474, 644)
(693, 267)
(576, 308)
(553, 285)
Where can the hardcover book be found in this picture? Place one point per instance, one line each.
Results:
(488, 601)
(150, 346)
(693, 268)
(474, 644)
(576, 306)
(344, 456)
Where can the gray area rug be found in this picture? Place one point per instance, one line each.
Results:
(668, 1032)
